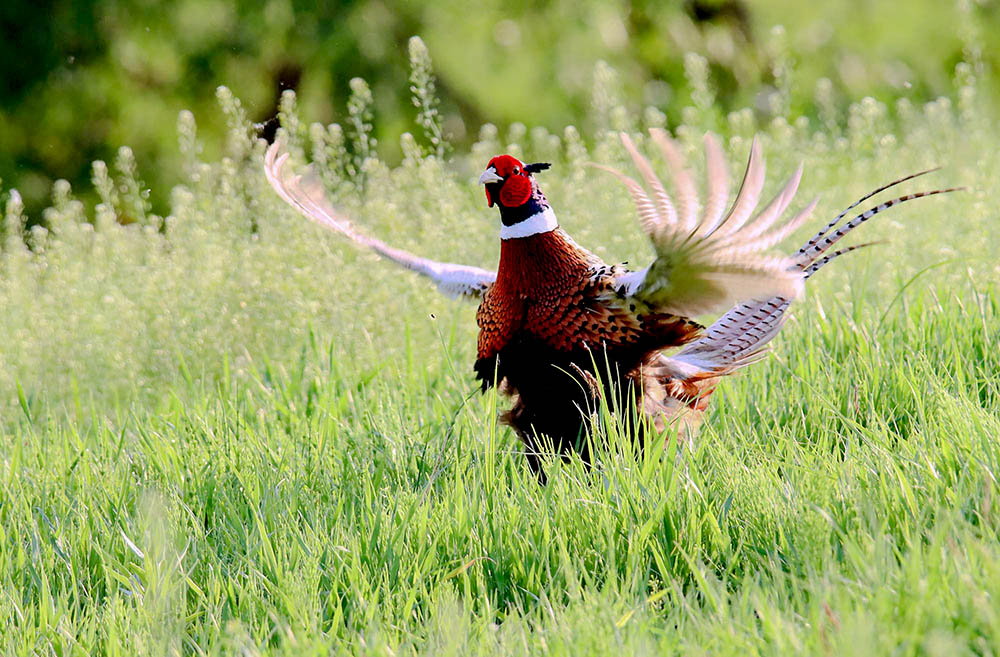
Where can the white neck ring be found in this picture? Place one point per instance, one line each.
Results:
(540, 222)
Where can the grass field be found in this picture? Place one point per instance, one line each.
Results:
(226, 432)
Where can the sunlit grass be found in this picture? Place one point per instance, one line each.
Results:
(225, 431)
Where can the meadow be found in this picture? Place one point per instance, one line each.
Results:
(224, 431)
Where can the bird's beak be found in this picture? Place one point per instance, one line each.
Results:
(489, 176)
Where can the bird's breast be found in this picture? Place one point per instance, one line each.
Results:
(540, 285)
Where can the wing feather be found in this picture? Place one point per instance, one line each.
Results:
(666, 213)
(719, 260)
(305, 193)
(687, 193)
(749, 194)
(649, 217)
(756, 244)
(776, 207)
(717, 183)
(741, 336)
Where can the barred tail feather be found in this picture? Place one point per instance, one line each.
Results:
(836, 220)
(821, 262)
(813, 249)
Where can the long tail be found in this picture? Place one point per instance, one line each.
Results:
(741, 336)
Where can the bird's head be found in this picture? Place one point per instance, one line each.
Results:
(510, 184)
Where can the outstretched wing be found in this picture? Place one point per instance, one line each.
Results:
(305, 193)
(741, 336)
(706, 263)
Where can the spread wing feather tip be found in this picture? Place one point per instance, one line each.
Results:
(305, 193)
(707, 265)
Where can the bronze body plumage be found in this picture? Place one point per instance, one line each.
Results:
(552, 326)
(559, 329)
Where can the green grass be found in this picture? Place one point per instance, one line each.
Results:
(226, 432)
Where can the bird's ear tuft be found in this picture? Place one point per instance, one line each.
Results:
(536, 167)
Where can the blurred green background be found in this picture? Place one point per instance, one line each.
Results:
(91, 75)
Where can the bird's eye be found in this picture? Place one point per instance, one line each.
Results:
(517, 171)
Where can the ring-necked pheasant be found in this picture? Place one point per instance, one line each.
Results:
(559, 328)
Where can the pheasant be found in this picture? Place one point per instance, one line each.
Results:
(560, 330)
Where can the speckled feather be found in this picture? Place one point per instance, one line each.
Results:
(550, 290)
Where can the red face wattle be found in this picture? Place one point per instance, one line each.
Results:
(515, 186)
